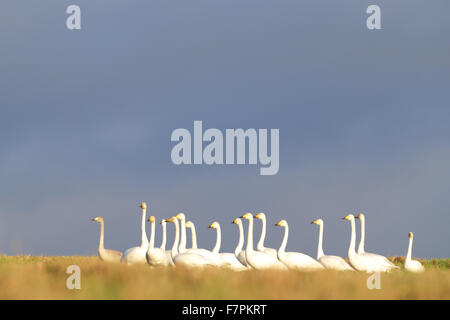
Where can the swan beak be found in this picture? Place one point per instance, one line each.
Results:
(143, 205)
(171, 219)
(313, 222)
(258, 215)
(151, 219)
(93, 219)
(234, 221)
(346, 217)
(278, 224)
(211, 226)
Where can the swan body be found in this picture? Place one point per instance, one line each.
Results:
(207, 254)
(238, 252)
(329, 262)
(383, 260)
(359, 261)
(138, 255)
(106, 254)
(257, 259)
(156, 257)
(295, 260)
(412, 265)
(260, 246)
(184, 258)
(227, 259)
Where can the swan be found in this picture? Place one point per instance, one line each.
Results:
(182, 245)
(295, 260)
(238, 252)
(256, 259)
(227, 259)
(412, 265)
(185, 259)
(190, 225)
(106, 254)
(359, 261)
(361, 250)
(155, 256)
(329, 262)
(260, 246)
(137, 255)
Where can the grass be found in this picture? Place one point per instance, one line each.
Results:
(31, 277)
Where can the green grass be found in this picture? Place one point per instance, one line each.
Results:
(31, 277)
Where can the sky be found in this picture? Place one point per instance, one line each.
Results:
(86, 118)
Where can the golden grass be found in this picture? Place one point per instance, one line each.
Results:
(28, 277)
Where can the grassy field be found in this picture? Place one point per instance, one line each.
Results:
(29, 277)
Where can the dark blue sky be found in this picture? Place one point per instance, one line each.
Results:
(86, 118)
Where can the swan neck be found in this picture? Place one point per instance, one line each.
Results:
(151, 243)
(285, 239)
(250, 236)
(241, 240)
(320, 245)
(182, 245)
(101, 244)
(144, 240)
(218, 241)
(363, 235)
(351, 248)
(176, 240)
(408, 255)
(260, 245)
(194, 237)
(164, 236)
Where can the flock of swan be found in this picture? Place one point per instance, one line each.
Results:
(259, 258)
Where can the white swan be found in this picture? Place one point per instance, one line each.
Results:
(412, 265)
(361, 250)
(190, 225)
(329, 262)
(227, 259)
(238, 252)
(359, 261)
(182, 246)
(156, 257)
(106, 254)
(295, 260)
(137, 255)
(260, 246)
(256, 259)
(185, 259)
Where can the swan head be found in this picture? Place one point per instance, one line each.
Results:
(237, 221)
(410, 235)
(281, 223)
(349, 217)
(172, 219)
(319, 222)
(360, 216)
(180, 216)
(163, 221)
(247, 216)
(189, 224)
(214, 225)
(98, 219)
(151, 219)
(260, 216)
